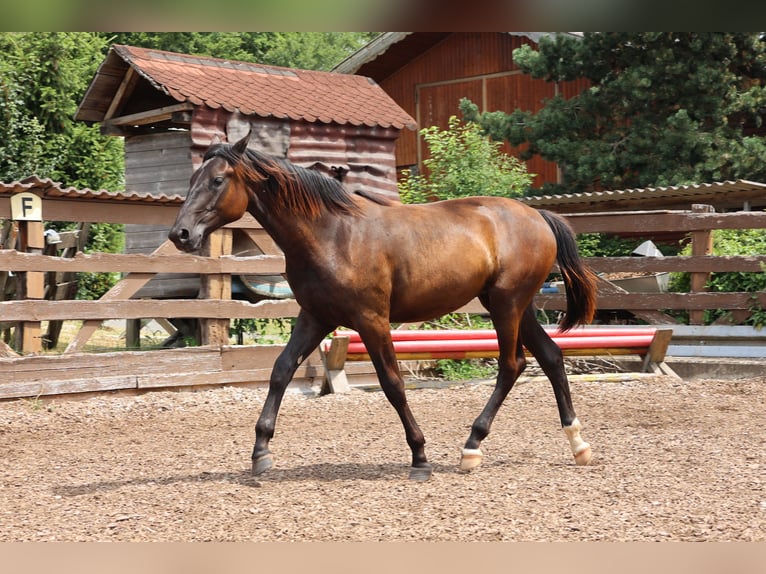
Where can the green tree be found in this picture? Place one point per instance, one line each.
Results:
(305, 50)
(463, 162)
(662, 109)
(43, 77)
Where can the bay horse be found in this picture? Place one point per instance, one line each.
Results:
(359, 261)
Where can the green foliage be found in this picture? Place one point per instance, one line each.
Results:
(463, 369)
(263, 331)
(43, 76)
(730, 242)
(304, 50)
(463, 162)
(466, 369)
(662, 109)
(103, 238)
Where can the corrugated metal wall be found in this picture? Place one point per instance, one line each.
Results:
(367, 152)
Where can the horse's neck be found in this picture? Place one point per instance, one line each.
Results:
(296, 236)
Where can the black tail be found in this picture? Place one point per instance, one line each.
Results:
(579, 280)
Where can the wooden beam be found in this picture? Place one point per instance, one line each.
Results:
(334, 360)
(149, 116)
(653, 221)
(702, 244)
(126, 86)
(103, 210)
(166, 261)
(146, 308)
(124, 289)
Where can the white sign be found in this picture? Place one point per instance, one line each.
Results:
(26, 206)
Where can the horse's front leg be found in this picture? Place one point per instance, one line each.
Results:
(377, 339)
(306, 336)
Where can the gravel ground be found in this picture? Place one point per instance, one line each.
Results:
(681, 461)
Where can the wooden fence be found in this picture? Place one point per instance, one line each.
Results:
(216, 362)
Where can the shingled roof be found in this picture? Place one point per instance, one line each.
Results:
(251, 89)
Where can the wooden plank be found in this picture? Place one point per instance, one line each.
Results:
(654, 301)
(124, 289)
(154, 173)
(654, 222)
(156, 142)
(6, 351)
(335, 380)
(148, 117)
(658, 348)
(214, 309)
(168, 260)
(83, 365)
(110, 211)
(98, 383)
(689, 264)
(156, 381)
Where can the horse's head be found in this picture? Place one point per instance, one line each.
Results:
(217, 196)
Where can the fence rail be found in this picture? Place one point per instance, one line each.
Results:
(216, 362)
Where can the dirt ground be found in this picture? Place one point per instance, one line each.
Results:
(673, 461)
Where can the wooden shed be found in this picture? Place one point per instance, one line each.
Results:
(427, 73)
(170, 106)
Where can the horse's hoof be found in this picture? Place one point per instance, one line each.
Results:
(421, 473)
(470, 459)
(262, 463)
(583, 455)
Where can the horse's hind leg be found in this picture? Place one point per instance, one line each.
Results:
(306, 335)
(511, 363)
(551, 360)
(377, 339)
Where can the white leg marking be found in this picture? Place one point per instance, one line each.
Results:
(580, 448)
(470, 459)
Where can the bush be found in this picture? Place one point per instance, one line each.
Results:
(730, 242)
(463, 162)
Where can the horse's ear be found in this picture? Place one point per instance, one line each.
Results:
(240, 147)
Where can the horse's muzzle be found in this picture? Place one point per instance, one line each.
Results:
(183, 239)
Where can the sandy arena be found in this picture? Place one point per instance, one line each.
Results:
(673, 461)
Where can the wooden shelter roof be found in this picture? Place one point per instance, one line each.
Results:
(722, 195)
(49, 189)
(250, 89)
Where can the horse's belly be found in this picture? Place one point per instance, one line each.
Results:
(422, 302)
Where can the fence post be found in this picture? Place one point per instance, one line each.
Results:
(215, 332)
(32, 240)
(702, 244)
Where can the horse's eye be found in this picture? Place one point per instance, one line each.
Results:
(218, 180)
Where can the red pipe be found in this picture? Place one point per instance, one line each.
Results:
(471, 345)
(461, 334)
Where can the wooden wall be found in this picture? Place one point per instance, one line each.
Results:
(159, 164)
(475, 65)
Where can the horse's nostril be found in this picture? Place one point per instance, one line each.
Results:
(183, 235)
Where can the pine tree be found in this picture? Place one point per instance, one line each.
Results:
(662, 109)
